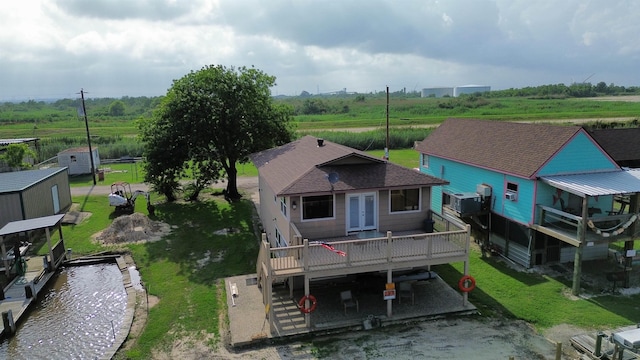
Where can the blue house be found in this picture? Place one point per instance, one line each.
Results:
(534, 193)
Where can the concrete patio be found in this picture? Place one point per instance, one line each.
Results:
(249, 326)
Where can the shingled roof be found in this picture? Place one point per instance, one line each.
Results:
(303, 167)
(514, 148)
(621, 144)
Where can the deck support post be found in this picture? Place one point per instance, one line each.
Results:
(389, 302)
(8, 322)
(634, 208)
(577, 261)
(465, 294)
(307, 316)
(52, 259)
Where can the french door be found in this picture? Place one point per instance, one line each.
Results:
(361, 212)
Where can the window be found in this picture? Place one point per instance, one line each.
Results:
(512, 191)
(283, 205)
(317, 207)
(280, 242)
(425, 160)
(405, 200)
(73, 158)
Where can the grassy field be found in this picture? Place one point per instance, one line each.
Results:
(170, 270)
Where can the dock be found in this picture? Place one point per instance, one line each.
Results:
(587, 344)
(21, 293)
(25, 285)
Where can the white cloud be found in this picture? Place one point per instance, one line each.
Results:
(123, 47)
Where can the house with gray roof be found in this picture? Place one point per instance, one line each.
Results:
(536, 193)
(31, 194)
(623, 144)
(331, 211)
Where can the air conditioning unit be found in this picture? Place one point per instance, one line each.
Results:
(483, 189)
(510, 196)
(465, 203)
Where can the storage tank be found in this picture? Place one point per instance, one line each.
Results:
(470, 89)
(437, 92)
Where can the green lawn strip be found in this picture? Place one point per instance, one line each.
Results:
(539, 299)
(174, 269)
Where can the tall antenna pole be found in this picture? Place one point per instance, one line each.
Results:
(386, 149)
(86, 123)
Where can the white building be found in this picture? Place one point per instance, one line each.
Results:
(78, 160)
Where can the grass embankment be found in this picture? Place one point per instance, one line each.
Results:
(188, 289)
(192, 296)
(539, 299)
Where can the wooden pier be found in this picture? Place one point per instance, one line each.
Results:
(24, 286)
(600, 345)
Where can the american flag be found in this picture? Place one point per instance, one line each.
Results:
(330, 247)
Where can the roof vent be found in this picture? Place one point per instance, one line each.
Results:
(320, 142)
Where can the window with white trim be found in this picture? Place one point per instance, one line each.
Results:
(405, 200)
(425, 160)
(317, 207)
(283, 205)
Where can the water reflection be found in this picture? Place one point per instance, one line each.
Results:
(77, 318)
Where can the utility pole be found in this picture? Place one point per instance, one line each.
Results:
(386, 149)
(86, 123)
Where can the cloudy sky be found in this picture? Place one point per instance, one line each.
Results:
(114, 48)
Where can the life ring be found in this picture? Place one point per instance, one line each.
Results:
(302, 304)
(467, 283)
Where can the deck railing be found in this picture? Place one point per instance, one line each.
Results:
(317, 256)
(611, 225)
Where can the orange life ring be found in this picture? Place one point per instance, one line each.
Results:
(302, 304)
(467, 283)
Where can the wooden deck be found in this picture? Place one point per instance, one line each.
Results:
(365, 255)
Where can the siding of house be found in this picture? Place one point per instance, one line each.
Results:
(581, 154)
(27, 194)
(81, 162)
(271, 215)
(406, 220)
(465, 178)
(322, 229)
(38, 199)
(10, 208)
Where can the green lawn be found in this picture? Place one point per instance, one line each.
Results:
(169, 267)
(170, 270)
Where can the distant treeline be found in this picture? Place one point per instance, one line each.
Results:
(305, 104)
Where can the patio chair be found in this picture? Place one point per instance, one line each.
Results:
(348, 300)
(405, 290)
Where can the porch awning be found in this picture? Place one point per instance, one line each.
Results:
(31, 224)
(597, 184)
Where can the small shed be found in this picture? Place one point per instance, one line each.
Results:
(30, 194)
(78, 160)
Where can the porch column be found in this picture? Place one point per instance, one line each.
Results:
(51, 259)
(4, 256)
(577, 261)
(628, 245)
(307, 316)
(465, 294)
(390, 302)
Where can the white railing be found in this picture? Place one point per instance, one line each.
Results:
(313, 255)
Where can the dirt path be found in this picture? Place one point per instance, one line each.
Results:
(245, 183)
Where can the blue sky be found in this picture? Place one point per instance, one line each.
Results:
(114, 48)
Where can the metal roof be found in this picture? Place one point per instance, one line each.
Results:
(31, 224)
(16, 181)
(597, 184)
(5, 142)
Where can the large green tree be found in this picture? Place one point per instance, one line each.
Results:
(15, 155)
(209, 122)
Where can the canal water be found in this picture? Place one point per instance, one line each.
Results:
(78, 317)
